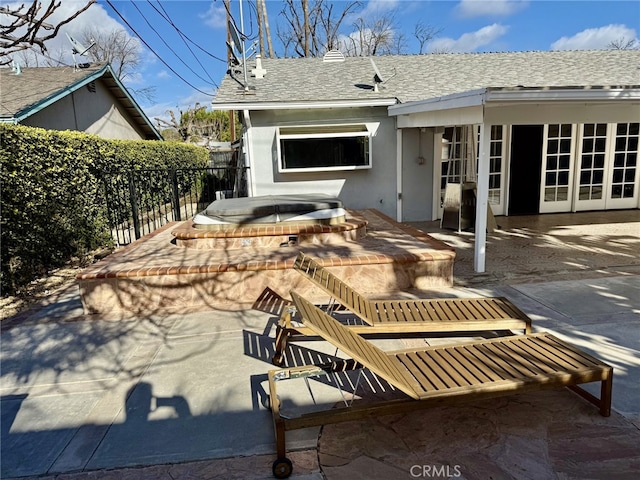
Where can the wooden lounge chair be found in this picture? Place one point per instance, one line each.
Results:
(438, 375)
(403, 316)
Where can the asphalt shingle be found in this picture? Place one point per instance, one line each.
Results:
(33, 85)
(418, 77)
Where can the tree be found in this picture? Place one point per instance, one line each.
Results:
(119, 49)
(25, 27)
(372, 37)
(623, 43)
(312, 29)
(424, 33)
(198, 123)
(264, 31)
(116, 47)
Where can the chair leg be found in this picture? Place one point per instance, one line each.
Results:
(282, 336)
(605, 395)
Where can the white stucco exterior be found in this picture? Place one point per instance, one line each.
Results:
(358, 189)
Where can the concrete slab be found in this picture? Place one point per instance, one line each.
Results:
(182, 396)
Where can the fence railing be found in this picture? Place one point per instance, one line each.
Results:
(140, 201)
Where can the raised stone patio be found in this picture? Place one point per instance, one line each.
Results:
(159, 274)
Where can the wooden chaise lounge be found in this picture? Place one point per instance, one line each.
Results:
(437, 375)
(403, 316)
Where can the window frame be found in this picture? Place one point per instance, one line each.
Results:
(340, 130)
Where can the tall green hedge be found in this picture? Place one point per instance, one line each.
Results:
(53, 205)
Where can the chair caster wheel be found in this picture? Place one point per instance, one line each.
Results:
(282, 468)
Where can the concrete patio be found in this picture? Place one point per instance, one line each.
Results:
(182, 395)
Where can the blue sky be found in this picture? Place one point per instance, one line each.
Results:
(466, 26)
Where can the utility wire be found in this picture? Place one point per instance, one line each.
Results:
(183, 37)
(191, 41)
(171, 49)
(154, 52)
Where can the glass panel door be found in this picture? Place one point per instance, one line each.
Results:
(591, 167)
(557, 164)
(624, 178)
(496, 164)
(608, 166)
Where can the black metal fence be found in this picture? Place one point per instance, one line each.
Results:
(140, 201)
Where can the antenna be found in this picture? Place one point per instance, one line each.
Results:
(235, 38)
(78, 48)
(234, 57)
(15, 68)
(377, 77)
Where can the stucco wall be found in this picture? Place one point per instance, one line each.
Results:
(96, 112)
(417, 178)
(358, 189)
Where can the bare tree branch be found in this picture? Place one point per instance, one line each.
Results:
(623, 43)
(425, 33)
(26, 24)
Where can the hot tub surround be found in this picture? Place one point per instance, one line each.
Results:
(162, 272)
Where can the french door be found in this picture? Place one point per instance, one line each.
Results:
(607, 174)
(557, 164)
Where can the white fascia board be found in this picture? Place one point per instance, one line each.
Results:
(489, 95)
(54, 97)
(379, 102)
(471, 98)
(563, 94)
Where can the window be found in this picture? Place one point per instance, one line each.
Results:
(317, 148)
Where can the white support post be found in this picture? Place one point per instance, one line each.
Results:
(247, 142)
(399, 174)
(482, 199)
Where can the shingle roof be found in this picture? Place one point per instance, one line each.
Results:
(25, 94)
(419, 77)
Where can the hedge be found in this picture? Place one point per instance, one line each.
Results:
(53, 206)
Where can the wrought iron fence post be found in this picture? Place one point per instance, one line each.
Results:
(176, 195)
(134, 205)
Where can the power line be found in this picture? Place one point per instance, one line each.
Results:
(184, 37)
(171, 49)
(154, 52)
(187, 38)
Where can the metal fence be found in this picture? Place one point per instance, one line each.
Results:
(140, 201)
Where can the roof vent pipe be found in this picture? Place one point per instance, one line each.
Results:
(258, 72)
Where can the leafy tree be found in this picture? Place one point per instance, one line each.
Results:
(198, 123)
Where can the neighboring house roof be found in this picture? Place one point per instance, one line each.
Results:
(36, 88)
(410, 78)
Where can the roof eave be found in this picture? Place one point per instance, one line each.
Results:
(51, 99)
(499, 95)
(378, 102)
(35, 108)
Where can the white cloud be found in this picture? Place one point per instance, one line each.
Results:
(163, 74)
(216, 16)
(469, 42)
(595, 38)
(377, 7)
(96, 17)
(482, 8)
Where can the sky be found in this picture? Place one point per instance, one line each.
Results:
(184, 41)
